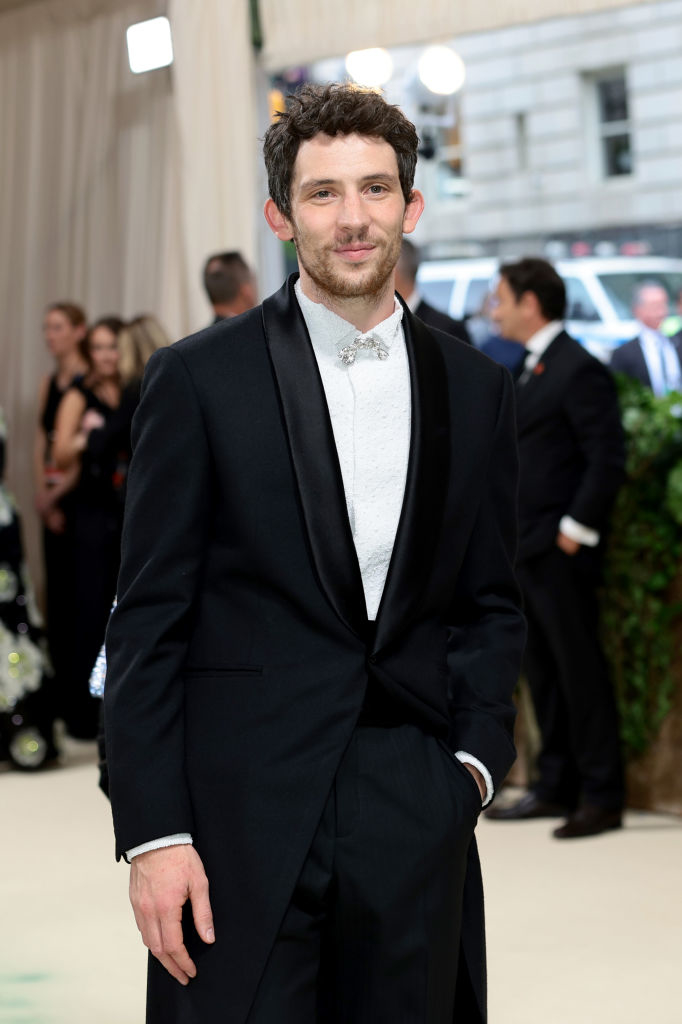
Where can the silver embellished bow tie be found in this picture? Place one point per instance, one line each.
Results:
(370, 343)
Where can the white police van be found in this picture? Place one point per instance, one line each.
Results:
(599, 293)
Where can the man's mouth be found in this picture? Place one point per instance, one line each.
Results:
(355, 251)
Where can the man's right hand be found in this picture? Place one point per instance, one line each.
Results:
(161, 881)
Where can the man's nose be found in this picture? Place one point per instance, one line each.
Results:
(353, 212)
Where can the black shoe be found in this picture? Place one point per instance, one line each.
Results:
(529, 806)
(588, 821)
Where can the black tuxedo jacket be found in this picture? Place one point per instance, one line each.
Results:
(239, 654)
(571, 445)
(433, 317)
(629, 359)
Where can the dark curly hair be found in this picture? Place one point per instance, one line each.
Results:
(335, 109)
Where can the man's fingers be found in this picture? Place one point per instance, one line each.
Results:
(171, 966)
(201, 910)
(166, 945)
(174, 947)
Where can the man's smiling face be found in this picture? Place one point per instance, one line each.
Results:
(348, 214)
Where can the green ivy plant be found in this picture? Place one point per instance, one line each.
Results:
(642, 560)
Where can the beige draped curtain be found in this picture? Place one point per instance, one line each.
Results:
(88, 196)
(215, 104)
(114, 186)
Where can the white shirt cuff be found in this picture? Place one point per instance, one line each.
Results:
(579, 533)
(465, 758)
(179, 839)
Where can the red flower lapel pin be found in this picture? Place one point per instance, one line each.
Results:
(538, 369)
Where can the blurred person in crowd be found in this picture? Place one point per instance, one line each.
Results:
(137, 342)
(503, 350)
(26, 715)
(230, 284)
(92, 435)
(672, 324)
(406, 286)
(652, 358)
(64, 328)
(323, 730)
(571, 452)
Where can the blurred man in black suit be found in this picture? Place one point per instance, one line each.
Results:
(230, 284)
(572, 457)
(651, 358)
(406, 285)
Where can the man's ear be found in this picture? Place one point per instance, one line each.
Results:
(530, 304)
(277, 222)
(413, 211)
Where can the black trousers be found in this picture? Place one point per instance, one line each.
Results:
(580, 759)
(97, 557)
(372, 932)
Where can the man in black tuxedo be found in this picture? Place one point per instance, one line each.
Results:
(406, 285)
(571, 465)
(318, 626)
(230, 284)
(651, 358)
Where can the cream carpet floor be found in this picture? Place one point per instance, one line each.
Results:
(581, 932)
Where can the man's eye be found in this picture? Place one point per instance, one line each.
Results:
(322, 193)
(376, 189)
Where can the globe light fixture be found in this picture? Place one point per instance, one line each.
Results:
(441, 70)
(149, 45)
(370, 68)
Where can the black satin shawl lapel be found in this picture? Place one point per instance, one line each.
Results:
(314, 456)
(426, 484)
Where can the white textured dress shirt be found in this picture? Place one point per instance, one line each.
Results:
(370, 407)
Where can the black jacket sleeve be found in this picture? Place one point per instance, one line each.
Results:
(164, 537)
(486, 645)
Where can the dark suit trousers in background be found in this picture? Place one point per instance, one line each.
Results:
(371, 934)
(580, 760)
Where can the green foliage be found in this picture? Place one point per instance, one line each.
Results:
(642, 560)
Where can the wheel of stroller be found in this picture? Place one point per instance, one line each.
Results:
(27, 749)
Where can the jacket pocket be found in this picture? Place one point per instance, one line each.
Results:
(463, 772)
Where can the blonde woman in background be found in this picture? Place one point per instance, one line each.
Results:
(93, 433)
(92, 440)
(138, 341)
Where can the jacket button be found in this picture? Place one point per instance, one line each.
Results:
(372, 659)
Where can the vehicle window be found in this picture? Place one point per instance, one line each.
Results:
(620, 287)
(477, 292)
(579, 305)
(437, 293)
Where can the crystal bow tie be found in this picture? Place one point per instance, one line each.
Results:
(369, 342)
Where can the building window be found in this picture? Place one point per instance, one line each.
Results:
(610, 101)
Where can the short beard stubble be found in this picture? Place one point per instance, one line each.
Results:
(357, 282)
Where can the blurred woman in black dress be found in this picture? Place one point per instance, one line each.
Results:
(64, 329)
(92, 438)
